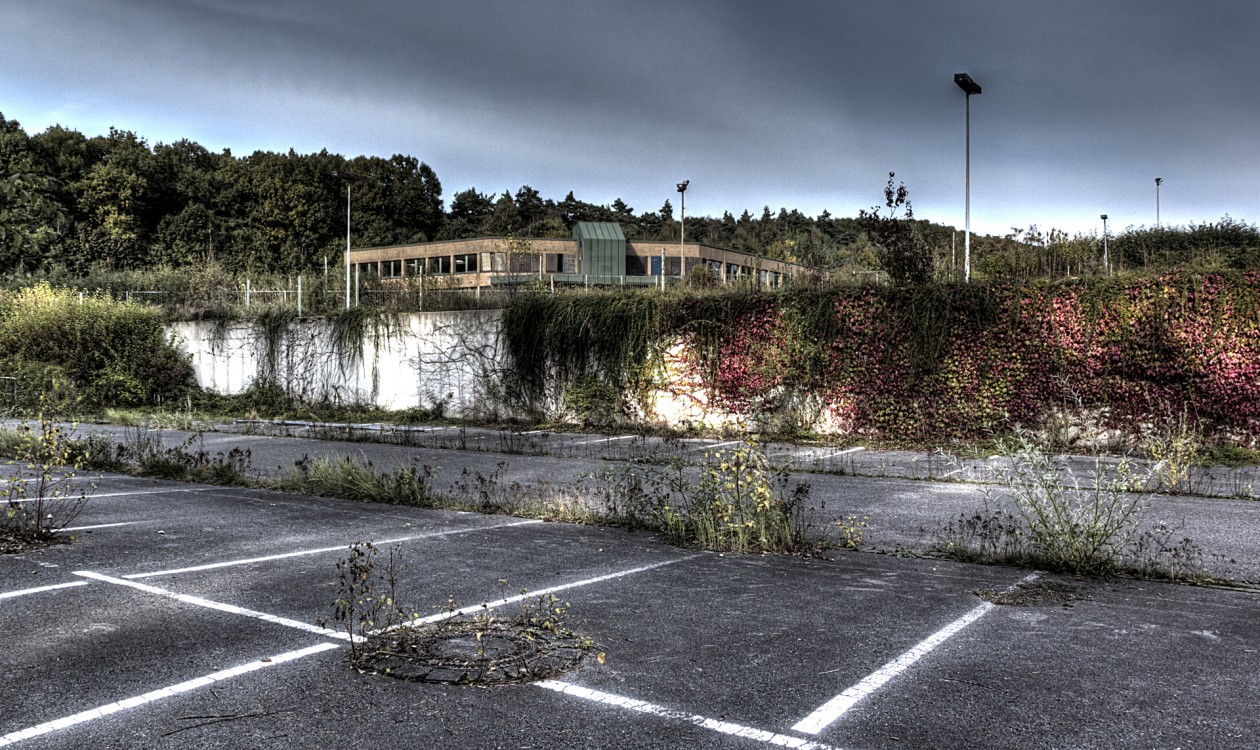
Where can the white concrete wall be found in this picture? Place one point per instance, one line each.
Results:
(411, 360)
(453, 359)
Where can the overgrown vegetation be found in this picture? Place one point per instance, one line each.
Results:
(350, 479)
(83, 351)
(367, 596)
(470, 645)
(1047, 517)
(41, 491)
(733, 502)
(922, 362)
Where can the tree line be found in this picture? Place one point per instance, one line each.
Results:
(115, 202)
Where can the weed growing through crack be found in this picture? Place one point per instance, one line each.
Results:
(367, 598)
(1174, 446)
(1054, 521)
(852, 530)
(144, 448)
(466, 646)
(349, 479)
(1069, 526)
(734, 502)
(43, 493)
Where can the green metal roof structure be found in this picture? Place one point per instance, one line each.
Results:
(601, 248)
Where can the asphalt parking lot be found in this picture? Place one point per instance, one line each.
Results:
(187, 616)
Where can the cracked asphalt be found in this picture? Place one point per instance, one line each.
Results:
(189, 616)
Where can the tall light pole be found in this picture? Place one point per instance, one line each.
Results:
(682, 228)
(1158, 181)
(1106, 259)
(969, 87)
(348, 179)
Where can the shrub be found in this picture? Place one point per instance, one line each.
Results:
(88, 349)
(1067, 526)
(737, 503)
(44, 493)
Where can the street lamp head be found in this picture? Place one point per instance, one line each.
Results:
(1159, 180)
(682, 186)
(966, 84)
(1104, 217)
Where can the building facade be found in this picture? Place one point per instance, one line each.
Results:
(597, 254)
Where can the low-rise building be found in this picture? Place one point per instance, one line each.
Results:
(598, 254)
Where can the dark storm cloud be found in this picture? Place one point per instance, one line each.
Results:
(798, 104)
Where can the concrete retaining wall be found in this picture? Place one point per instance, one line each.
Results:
(419, 360)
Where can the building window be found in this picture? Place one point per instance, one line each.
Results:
(494, 262)
(391, 269)
(413, 267)
(440, 264)
(367, 269)
(466, 263)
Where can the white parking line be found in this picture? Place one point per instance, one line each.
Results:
(710, 446)
(643, 707)
(847, 451)
(161, 694)
(95, 496)
(832, 710)
(321, 550)
(419, 621)
(220, 606)
(41, 589)
(100, 526)
(605, 440)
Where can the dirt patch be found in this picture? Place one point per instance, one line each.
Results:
(13, 542)
(1035, 593)
(471, 653)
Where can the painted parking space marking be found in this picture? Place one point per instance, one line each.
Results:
(711, 446)
(421, 621)
(605, 440)
(136, 493)
(832, 710)
(161, 694)
(704, 722)
(68, 529)
(41, 589)
(271, 661)
(322, 550)
(220, 606)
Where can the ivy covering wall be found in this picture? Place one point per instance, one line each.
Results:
(931, 362)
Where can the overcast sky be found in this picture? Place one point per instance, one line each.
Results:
(791, 104)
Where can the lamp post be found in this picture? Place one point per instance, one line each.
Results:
(969, 87)
(682, 226)
(1106, 259)
(348, 179)
(1158, 181)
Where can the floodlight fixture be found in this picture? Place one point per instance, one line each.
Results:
(1106, 258)
(966, 84)
(1158, 181)
(682, 228)
(969, 87)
